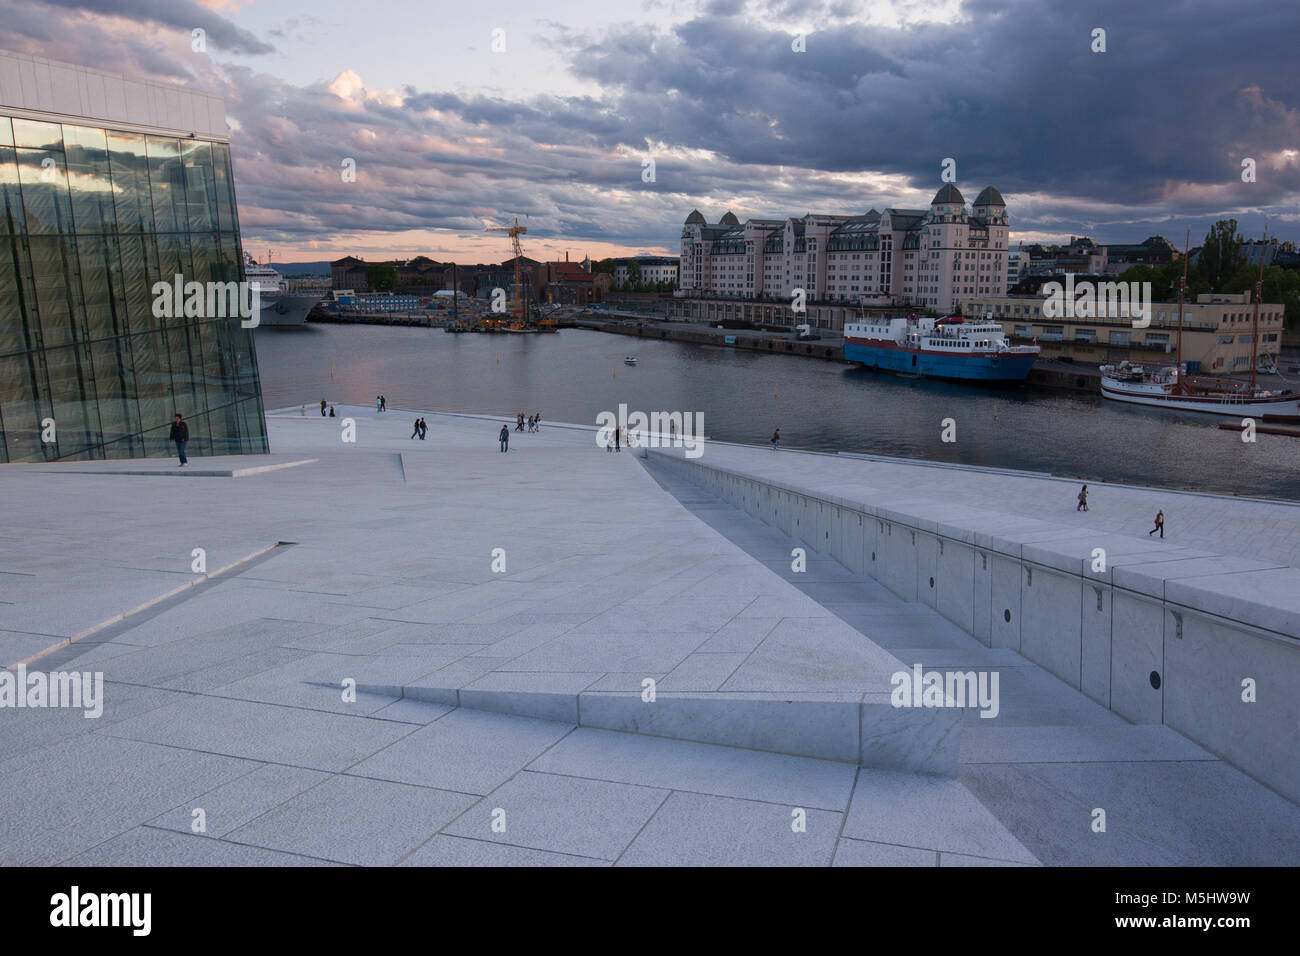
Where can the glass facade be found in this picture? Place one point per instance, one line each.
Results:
(90, 220)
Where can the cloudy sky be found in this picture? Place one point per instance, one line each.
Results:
(550, 110)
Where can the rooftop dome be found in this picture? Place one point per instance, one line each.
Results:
(989, 197)
(948, 194)
(695, 218)
(729, 220)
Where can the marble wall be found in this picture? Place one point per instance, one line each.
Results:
(1156, 641)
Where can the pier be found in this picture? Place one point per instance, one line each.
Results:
(392, 639)
(1051, 375)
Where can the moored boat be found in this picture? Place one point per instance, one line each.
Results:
(949, 348)
(1168, 386)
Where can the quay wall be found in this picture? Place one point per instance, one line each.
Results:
(1160, 636)
(1082, 379)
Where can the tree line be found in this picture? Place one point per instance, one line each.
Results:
(1221, 267)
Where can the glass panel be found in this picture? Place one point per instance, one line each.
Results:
(115, 387)
(15, 335)
(173, 261)
(11, 197)
(182, 358)
(130, 171)
(228, 268)
(200, 185)
(101, 286)
(152, 386)
(166, 183)
(45, 191)
(228, 219)
(88, 179)
(136, 285)
(20, 409)
(45, 136)
(208, 266)
(73, 397)
(6, 132)
(53, 275)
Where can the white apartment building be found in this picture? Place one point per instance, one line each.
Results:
(653, 268)
(925, 258)
(1017, 266)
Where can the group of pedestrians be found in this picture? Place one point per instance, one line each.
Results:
(421, 428)
(322, 409)
(1160, 515)
(381, 403)
(532, 423)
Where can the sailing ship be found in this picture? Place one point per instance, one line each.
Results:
(1169, 386)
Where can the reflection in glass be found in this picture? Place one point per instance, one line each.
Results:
(90, 220)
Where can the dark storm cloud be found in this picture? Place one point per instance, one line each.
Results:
(1128, 141)
(1014, 94)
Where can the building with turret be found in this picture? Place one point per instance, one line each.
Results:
(919, 258)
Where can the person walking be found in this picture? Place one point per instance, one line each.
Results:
(537, 422)
(379, 407)
(416, 430)
(504, 437)
(519, 422)
(322, 408)
(1160, 524)
(424, 428)
(383, 404)
(180, 434)
(776, 439)
(617, 432)
(1083, 499)
(331, 411)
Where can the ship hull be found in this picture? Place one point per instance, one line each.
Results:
(282, 309)
(958, 368)
(1207, 405)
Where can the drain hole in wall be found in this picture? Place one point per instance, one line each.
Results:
(1155, 680)
(1006, 615)
(932, 582)
(873, 555)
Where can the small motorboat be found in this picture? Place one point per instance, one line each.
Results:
(629, 360)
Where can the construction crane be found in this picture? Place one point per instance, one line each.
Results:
(515, 232)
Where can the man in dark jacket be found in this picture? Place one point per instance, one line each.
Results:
(180, 434)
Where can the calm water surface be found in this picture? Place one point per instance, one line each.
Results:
(574, 374)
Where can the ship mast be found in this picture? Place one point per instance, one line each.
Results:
(1182, 288)
(1259, 296)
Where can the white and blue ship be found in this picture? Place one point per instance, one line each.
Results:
(949, 348)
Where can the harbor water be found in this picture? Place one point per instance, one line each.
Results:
(573, 375)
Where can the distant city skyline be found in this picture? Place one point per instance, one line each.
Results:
(736, 112)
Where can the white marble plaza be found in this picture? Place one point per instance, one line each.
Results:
(499, 716)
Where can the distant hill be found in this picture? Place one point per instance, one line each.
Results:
(302, 268)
